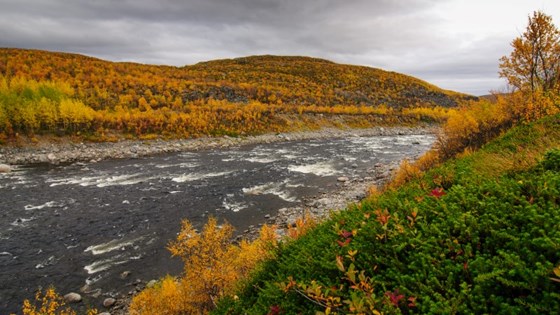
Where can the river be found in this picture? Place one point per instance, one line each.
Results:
(87, 223)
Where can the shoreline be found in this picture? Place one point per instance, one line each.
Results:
(66, 153)
(349, 189)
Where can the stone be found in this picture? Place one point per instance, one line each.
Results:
(342, 179)
(4, 168)
(72, 297)
(104, 313)
(108, 302)
(51, 157)
(125, 274)
(151, 283)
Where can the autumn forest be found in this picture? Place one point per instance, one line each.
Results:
(48, 93)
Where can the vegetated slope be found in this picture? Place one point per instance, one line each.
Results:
(266, 79)
(480, 234)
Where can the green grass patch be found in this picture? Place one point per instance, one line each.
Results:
(479, 234)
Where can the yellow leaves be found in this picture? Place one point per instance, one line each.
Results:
(49, 303)
(407, 171)
(166, 297)
(213, 268)
(301, 226)
(532, 66)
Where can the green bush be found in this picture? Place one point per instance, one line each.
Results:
(458, 241)
(551, 160)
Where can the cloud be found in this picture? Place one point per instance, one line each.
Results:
(453, 42)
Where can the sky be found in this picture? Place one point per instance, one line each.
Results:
(454, 44)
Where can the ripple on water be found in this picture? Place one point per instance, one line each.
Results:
(198, 176)
(319, 169)
(101, 181)
(111, 246)
(273, 188)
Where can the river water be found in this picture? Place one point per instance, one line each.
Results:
(88, 223)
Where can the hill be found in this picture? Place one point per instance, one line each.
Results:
(50, 93)
(266, 79)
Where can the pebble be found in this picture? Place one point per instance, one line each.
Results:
(125, 274)
(342, 179)
(151, 283)
(72, 297)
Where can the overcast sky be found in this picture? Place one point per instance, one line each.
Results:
(454, 44)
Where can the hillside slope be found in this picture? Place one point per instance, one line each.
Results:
(477, 235)
(266, 79)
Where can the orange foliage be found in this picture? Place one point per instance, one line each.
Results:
(213, 267)
(239, 96)
(49, 303)
(301, 226)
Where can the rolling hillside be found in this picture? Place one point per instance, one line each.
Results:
(267, 79)
(50, 92)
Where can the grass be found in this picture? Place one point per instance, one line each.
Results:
(478, 234)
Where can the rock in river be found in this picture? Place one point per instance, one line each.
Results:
(72, 297)
(108, 302)
(343, 179)
(4, 168)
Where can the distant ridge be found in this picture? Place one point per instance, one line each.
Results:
(293, 80)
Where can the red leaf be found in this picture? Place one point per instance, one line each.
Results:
(437, 192)
(342, 244)
(274, 310)
(346, 234)
(411, 301)
(394, 297)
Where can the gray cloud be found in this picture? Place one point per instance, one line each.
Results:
(406, 36)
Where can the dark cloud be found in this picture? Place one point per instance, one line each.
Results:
(407, 36)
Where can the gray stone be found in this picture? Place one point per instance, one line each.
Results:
(72, 297)
(342, 179)
(104, 313)
(108, 302)
(151, 284)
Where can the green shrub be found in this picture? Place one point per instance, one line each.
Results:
(552, 160)
(460, 240)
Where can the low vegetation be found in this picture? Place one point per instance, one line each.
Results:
(474, 235)
(44, 93)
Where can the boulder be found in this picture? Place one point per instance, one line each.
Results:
(4, 168)
(72, 297)
(342, 179)
(108, 302)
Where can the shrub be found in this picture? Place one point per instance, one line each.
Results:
(213, 268)
(457, 240)
(49, 303)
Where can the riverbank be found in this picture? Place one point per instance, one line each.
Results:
(69, 152)
(352, 180)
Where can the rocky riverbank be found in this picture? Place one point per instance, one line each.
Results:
(61, 153)
(351, 188)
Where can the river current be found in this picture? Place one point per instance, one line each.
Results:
(87, 223)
